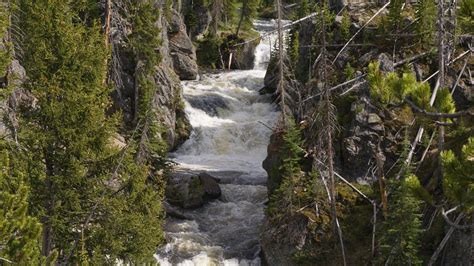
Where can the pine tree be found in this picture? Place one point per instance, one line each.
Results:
(248, 12)
(303, 9)
(294, 47)
(291, 151)
(466, 17)
(4, 25)
(395, 14)
(83, 188)
(458, 182)
(19, 231)
(400, 243)
(67, 134)
(426, 21)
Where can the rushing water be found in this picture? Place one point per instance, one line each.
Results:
(230, 142)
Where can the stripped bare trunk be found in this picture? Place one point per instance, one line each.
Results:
(281, 85)
(329, 136)
(242, 14)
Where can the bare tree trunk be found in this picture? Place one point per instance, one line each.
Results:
(108, 12)
(329, 136)
(441, 76)
(242, 12)
(441, 45)
(281, 85)
(383, 192)
(216, 12)
(49, 203)
(441, 245)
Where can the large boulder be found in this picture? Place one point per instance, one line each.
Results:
(182, 51)
(273, 162)
(244, 55)
(191, 191)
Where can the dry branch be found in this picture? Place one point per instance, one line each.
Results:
(436, 114)
(355, 34)
(441, 245)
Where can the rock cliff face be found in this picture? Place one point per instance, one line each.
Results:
(178, 61)
(13, 78)
(181, 49)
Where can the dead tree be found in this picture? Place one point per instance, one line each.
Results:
(281, 82)
(326, 132)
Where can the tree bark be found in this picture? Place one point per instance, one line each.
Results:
(49, 204)
(281, 85)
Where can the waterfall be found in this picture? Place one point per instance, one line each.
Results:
(228, 141)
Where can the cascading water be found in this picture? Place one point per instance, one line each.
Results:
(230, 142)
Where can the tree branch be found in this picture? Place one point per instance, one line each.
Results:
(438, 115)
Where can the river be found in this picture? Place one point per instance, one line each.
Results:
(228, 141)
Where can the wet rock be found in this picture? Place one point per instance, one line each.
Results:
(174, 212)
(210, 103)
(273, 161)
(191, 191)
(244, 56)
(210, 186)
(186, 192)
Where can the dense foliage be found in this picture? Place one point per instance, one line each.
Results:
(67, 189)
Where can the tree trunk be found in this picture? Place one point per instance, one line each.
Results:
(242, 13)
(49, 204)
(281, 85)
(108, 12)
(329, 136)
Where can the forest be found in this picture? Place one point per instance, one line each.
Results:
(236, 132)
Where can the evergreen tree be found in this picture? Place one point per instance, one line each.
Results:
(426, 21)
(400, 242)
(67, 134)
(19, 231)
(458, 183)
(248, 12)
(395, 14)
(294, 47)
(291, 152)
(466, 17)
(4, 25)
(303, 9)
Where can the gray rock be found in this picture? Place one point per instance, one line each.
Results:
(244, 56)
(386, 64)
(273, 161)
(365, 59)
(374, 119)
(210, 186)
(190, 191)
(186, 192)
(181, 49)
(210, 103)
(184, 66)
(280, 242)
(168, 97)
